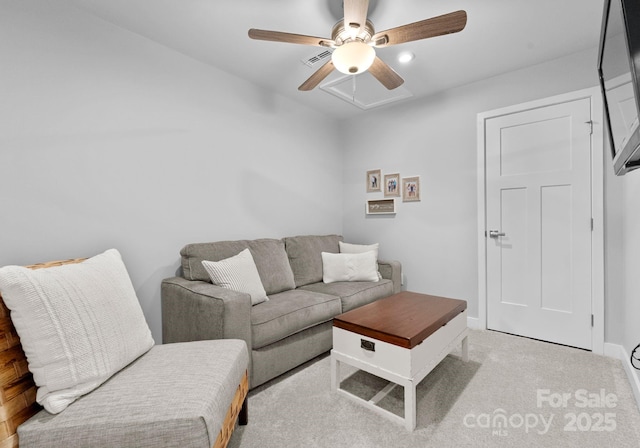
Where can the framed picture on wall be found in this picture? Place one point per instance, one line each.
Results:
(374, 181)
(391, 185)
(411, 189)
(381, 206)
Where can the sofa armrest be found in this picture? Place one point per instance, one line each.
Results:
(196, 310)
(392, 270)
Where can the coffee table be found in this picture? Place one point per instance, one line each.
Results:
(400, 338)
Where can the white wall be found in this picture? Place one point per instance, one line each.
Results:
(631, 263)
(622, 254)
(436, 138)
(109, 140)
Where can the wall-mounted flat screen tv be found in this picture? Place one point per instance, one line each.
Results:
(618, 69)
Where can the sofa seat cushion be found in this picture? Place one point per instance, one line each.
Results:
(175, 395)
(290, 312)
(354, 294)
(268, 254)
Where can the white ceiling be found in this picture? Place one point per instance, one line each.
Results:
(500, 36)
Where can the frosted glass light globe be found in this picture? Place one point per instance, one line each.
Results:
(354, 57)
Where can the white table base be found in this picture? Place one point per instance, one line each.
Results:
(402, 366)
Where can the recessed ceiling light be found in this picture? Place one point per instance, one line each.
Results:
(406, 56)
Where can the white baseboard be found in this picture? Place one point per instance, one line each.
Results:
(633, 375)
(473, 323)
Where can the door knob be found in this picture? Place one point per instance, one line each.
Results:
(496, 234)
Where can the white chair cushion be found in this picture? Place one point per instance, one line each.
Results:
(79, 324)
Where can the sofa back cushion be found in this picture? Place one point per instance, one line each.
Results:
(268, 254)
(305, 255)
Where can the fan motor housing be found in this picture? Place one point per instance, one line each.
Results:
(340, 35)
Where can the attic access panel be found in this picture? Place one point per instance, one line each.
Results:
(364, 91)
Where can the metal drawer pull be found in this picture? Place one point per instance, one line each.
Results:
(368, 345)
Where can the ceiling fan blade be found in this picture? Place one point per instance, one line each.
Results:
(385, 74)
(355, 13)
(435, 26)
(317, 77)
(278, 36)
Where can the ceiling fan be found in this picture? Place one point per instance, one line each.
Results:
(354, 39)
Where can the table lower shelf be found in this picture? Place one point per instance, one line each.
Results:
(442, 349)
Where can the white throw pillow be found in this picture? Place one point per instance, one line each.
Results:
(238, 273)
(349, 267)
(348, 248)
(79, 324)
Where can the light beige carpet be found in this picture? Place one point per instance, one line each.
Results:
(513, 392)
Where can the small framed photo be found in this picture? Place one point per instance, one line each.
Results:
(411, 189)
(391, 185)
(381, 206)
(374, 181)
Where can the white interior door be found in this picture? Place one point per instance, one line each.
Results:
(538, 218)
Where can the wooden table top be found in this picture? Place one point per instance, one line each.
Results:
(404, 319)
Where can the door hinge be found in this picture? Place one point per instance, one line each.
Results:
(592, 320)
(592, 224)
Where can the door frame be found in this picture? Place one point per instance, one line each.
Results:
(597, 205)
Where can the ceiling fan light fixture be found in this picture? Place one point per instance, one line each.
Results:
(354, 38)
(353, 57)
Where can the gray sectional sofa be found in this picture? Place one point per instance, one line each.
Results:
(293, 326)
